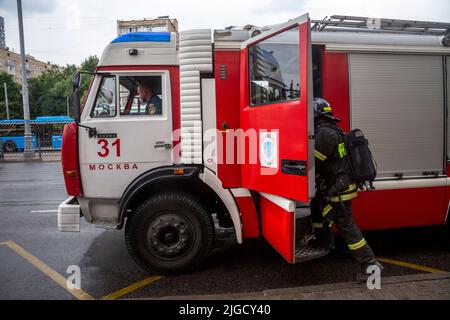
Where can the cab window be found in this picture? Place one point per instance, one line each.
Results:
(105, 102)
(274, 69)
(141, 95)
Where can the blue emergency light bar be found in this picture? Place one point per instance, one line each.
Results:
(143, 37)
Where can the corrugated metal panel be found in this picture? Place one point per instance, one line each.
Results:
(397, 100)
(195, 57)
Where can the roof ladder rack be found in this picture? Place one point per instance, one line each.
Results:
(338, 23)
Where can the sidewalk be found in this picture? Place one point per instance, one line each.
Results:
(430, 286)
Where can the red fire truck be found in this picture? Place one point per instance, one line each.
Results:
(224, 151)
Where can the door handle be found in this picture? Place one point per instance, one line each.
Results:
(162, 145)
(296, 167)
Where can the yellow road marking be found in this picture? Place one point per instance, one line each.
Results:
(52, 274)
(410, 265)
(131, 288)
(59, 279)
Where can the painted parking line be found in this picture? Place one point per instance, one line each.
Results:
(59, 279)
(409, 265)
(82, 295)
(43, 211)
(28, 184)
(52, 274)
(131, 288)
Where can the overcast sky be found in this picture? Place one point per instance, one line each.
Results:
(67, 31)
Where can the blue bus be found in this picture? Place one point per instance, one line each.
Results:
(46, 133)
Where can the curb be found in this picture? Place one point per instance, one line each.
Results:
(291, 293)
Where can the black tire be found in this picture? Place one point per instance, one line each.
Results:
(169, 233)
(9, 146)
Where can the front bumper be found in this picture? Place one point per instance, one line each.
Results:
(69, 215)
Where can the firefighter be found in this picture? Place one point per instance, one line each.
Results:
(152, 101)
(336, 190)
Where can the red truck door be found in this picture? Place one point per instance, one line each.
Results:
(277, 119)
(276, 106)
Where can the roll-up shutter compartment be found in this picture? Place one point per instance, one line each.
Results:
(398, 101)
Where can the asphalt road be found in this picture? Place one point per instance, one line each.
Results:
(30, 193)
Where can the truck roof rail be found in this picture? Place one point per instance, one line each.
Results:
(338, 23)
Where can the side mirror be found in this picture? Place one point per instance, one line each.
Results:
(76, 83)
(76, 104)
(76, 80)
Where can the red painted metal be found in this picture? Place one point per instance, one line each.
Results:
(289, 118)
(448, 195)
(278, 227)
(69, 160)
(400, 208)
(250, 223)
(335, 85)
(227, 111)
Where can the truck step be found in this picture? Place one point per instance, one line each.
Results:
(308, 252)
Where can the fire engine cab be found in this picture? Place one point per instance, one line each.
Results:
(221, 149)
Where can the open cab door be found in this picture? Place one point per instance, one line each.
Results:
(276, 110)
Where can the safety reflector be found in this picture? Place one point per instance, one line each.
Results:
(320, 156)
(358, 245)
(345, 197)
(178, 171)
(327, 209)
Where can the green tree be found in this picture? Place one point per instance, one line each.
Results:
(89, 65)
(14, 97)
(49, 93)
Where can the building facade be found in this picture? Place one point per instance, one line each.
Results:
(10, 62)
(159, 24)
(2, 33)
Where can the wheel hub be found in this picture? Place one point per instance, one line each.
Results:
(169, 236)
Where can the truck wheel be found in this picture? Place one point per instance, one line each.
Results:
(169, 233)
(10, 146)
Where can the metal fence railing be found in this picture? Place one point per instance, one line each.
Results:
(46, 142)
(37, 153)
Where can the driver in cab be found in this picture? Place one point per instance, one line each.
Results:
(153, 103)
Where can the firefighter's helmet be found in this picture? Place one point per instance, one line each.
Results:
(322, 108)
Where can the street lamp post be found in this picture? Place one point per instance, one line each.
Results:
(28, 152)
(67, 106)
(6, 100)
